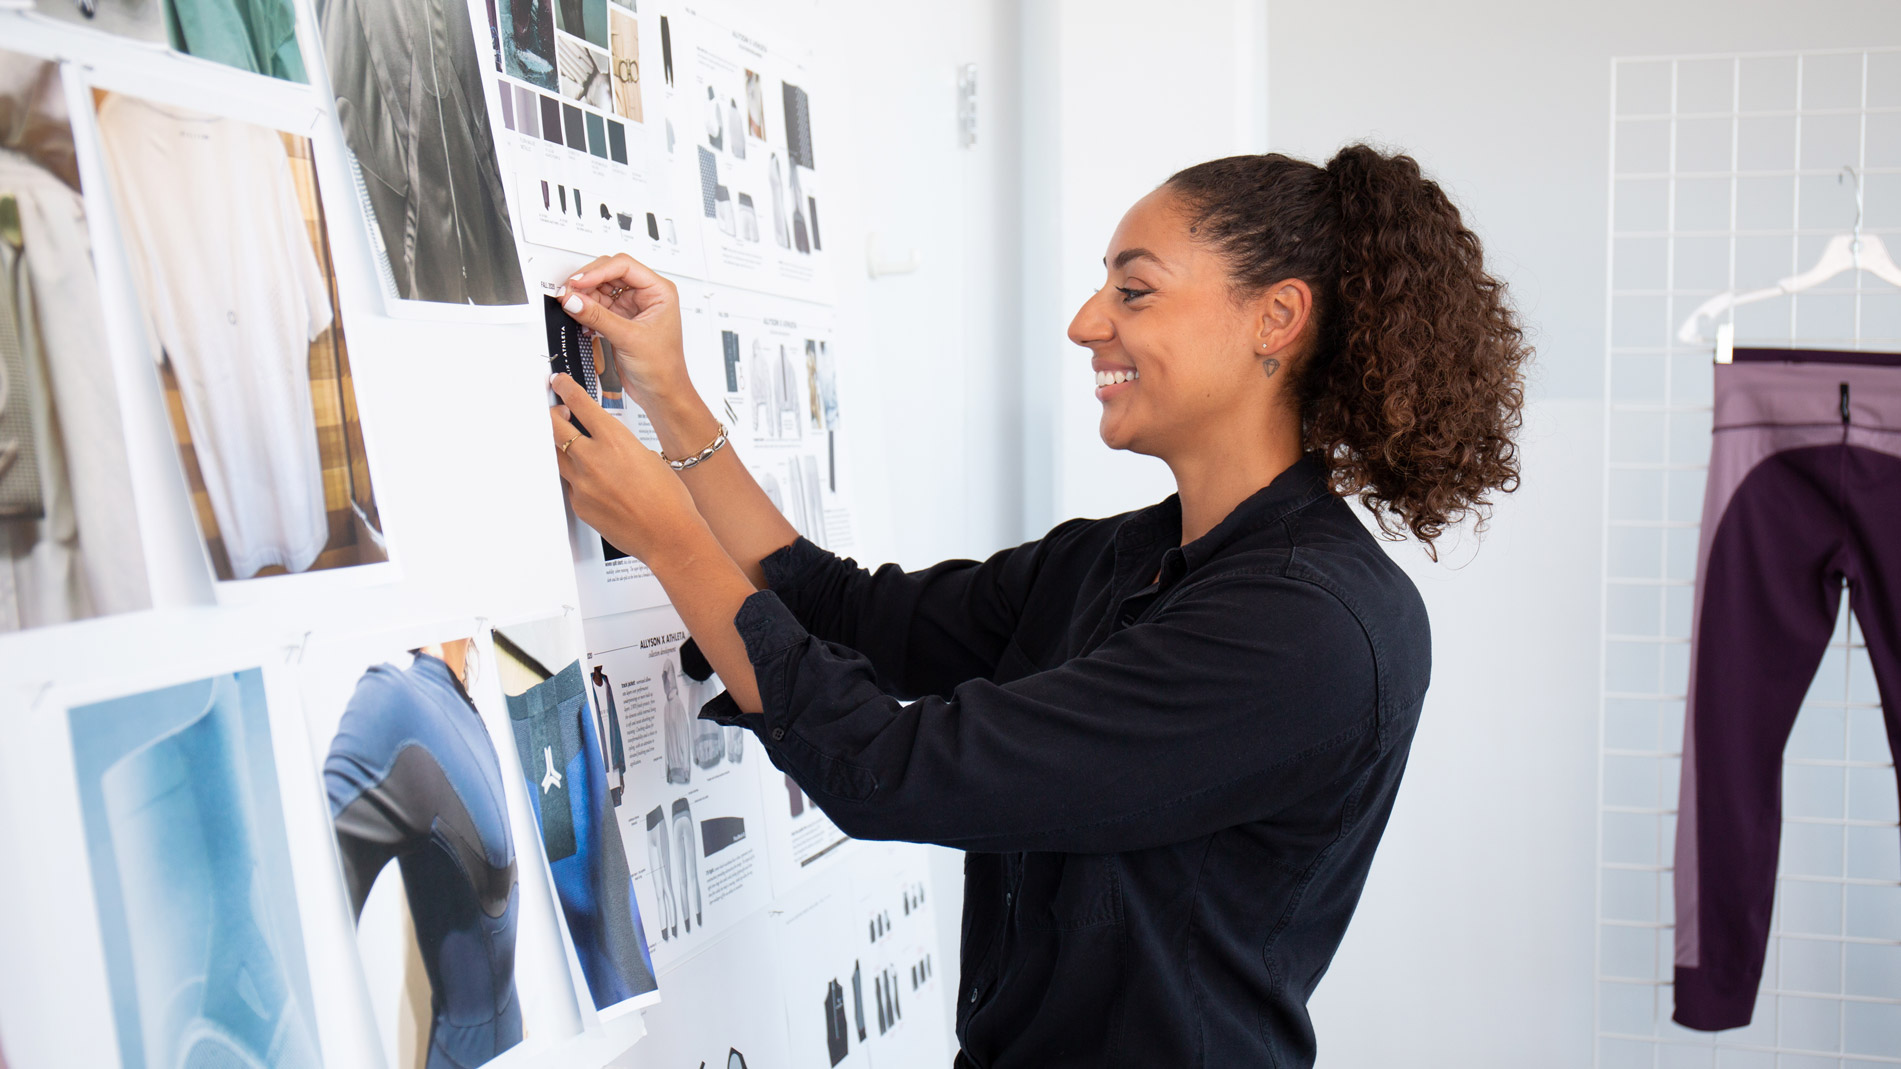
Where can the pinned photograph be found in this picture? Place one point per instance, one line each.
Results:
(625, 36)
(69, 543)
(586, 76)
(191, 873)
(524, 30)
(755, 106)
(259, 36)
(566, 764)
(419, 808)
(586, 19)
(251, 348)
(429, 175)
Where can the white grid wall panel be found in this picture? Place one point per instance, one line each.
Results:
(1727, 173)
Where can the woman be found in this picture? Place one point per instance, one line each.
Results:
(1170, 739)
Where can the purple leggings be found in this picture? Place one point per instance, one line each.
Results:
(1804, 495)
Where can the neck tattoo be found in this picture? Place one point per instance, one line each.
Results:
(1270, 365)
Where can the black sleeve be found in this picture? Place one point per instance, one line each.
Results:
(1238, 699)
(923, 632)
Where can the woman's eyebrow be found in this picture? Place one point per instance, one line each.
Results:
(1124, 258)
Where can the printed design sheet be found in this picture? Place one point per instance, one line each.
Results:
(721, 1009)
(897, 996)
(779, 380)
(873, 996)
(592, 127)
(801, 841)
(752, 134)
(685, 791)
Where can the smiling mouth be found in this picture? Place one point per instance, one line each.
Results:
(1105, 379)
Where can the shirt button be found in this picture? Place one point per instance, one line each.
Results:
(973, 996)
(777, 734)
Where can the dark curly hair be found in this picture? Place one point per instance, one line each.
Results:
(1412, 384)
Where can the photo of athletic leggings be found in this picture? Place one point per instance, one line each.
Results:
(412, 776)
(561, 760)
(1804, 498)
(659, 836)
(685, 838)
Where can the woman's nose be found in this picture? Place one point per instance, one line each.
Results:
(1091, 327)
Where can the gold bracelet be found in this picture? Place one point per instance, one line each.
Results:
(700, 457)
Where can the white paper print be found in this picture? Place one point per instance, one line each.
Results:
(801, 841)
(590, 128)
(897, 1006)
(752, 133)
(776, 361)
(686, 790)
(816, 967)
(721, 1008)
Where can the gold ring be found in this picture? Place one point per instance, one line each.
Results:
(564, 445)
(616, 292)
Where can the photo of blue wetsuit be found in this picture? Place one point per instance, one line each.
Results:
(413, 777)
(561, 759)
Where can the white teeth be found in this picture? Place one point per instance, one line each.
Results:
(1110, 378)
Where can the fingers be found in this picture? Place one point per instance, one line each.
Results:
(609, 320)
(574, 396)
(618, 268)
(564, 434)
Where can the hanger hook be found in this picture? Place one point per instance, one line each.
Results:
(1849, 170)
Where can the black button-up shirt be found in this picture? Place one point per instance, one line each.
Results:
(1169, 765)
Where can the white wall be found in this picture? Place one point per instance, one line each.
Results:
(933, 401)
(1473, 946)
(1509, 105)
(1117, 96)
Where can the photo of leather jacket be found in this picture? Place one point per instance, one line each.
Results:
(409, 98)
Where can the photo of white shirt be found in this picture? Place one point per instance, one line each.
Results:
(235, 296)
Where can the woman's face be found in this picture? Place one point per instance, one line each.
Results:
(1177, 356)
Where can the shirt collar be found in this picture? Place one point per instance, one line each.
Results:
(1160, 525)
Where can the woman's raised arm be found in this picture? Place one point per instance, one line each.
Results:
(638, 312)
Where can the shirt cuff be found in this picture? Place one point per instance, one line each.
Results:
(770, 632)
(789, 567)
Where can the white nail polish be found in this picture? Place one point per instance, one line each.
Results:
(573, 305)
(576, 277)
(551, 380)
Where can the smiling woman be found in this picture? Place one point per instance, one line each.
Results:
(1170, 739)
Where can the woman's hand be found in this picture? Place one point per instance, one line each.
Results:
(633, 498)
(638, 312)
(618, 486)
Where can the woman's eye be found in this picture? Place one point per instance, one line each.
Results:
(1131, 294)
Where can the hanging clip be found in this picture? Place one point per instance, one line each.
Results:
(1725, 343)
(1844, 404)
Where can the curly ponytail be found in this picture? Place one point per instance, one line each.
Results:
(1412, 387)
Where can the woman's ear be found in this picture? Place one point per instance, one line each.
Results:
(1283, 310)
